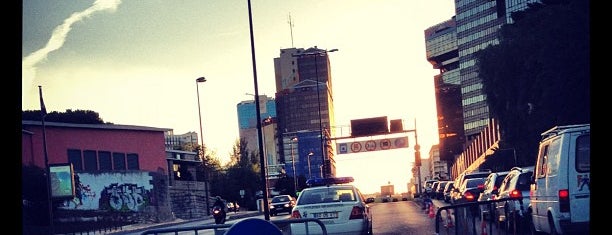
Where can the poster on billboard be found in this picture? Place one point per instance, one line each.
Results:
(62, 181)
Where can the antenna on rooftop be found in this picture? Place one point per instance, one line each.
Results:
(291, 28)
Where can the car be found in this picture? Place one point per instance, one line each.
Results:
(370, 200)
(434, 187)
(489, 193)
(560, 188)
(337, 203)
(232, 206)
(281, 204)
(466, 175)
(439, 192)
(447, 191)
(469, 190)
(428, 187)
(512, 213)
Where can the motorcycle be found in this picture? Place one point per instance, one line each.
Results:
(218, 215)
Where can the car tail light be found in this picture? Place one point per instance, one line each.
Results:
(516, 194)
(357, 213)
(470, 197)
(296, 214)
(564, 204)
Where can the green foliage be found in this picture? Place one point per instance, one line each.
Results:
(538, 76)
(77, 116)
(239, 174)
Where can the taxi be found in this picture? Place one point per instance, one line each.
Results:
(337, 203)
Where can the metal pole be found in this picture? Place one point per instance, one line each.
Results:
(203, 154)
(293, 162)
(320, 118)
(309, 172)
(43, 111)
(261, 155)
(417, 153)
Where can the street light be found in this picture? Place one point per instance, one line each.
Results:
(309, 172)
(316, 54)
(198, 80)
(293, 162)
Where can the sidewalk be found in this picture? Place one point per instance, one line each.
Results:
(135, 228)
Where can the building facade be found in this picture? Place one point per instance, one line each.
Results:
(122, 173)
(304, 99)
(451, 46)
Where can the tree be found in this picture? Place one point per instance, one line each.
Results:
(538, 76)
(77, 116)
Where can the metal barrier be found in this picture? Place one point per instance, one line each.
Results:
(470, 218)
(283, 226)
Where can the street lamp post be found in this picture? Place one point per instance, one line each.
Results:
(309, 172)
(293, 162)
(198, 80)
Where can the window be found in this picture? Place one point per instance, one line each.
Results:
(91, 160)
(74, 157)
(104, 159)
(119, 161)
(132, 161)
(583, 153)
(541, 167)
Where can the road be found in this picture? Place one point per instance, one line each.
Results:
(402, 217)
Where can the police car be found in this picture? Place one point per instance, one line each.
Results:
(337, 203)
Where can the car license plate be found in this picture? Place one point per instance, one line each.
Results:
(326, 215)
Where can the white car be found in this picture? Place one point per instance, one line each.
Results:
(339, 205)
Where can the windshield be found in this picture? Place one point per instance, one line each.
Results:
(327, 194)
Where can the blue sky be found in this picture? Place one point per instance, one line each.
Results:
(135, 62)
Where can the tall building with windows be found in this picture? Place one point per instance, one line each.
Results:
(441, 52)
(304, 100)
(464, 121)
(247, 126)
(477, 23)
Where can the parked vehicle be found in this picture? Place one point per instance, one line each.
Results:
(512, 214)
(560, 190)
(281, 204)
(439, 192)
(469, 190)
(466, 175)
(428, 187)
(447, 191)
(490, 192)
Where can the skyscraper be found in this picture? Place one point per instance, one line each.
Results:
(304, 100)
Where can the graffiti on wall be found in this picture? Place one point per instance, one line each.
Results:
(118, 192)
(124, 197)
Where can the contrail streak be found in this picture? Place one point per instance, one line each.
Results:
(58, 37)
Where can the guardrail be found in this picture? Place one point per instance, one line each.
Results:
(468, 218)
(283, 227)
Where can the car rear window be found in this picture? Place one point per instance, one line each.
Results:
(280, 199)
(327, 194)
(474, 182)
(523, 183)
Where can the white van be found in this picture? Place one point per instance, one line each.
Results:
(560, 191)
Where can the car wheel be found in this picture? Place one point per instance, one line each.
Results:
(532, 229)
(551, 224)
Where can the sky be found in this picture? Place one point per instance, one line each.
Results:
(135, 62)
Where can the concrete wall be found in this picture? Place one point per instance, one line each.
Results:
(188, 199)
